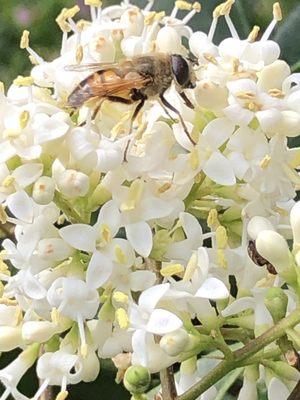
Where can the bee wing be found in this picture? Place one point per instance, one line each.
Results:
(90, 67)
(105, 83)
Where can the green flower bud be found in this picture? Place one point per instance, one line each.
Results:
(276, 302)
(137, 379)
(283, 370)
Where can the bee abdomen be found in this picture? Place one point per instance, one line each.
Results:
(80, 95)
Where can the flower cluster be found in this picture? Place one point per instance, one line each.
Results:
(117, 257)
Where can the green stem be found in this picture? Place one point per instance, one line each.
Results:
(70, 213)
(241, 355)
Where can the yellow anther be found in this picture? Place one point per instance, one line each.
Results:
(183, 5)
(84, 350)
(253, 34)
(221, 259)
(71, 12)
(4, 268)
(252, 106)
(8, 181)
(1, 87)
(55, 316)
(281, 211)
(122, 318)
(197, 7)
(23, 81)
(24, 42)
(277, 12)
(172, 269)
(23, 119)
(265, 162)
(210, 58)
(191, 267)
(160, 15)
(93, 3)
(235, 65)
(223, 8)
(3, 216)
(10, 133)
(82, 24)
(165, 187)
(61, 21)
(18, 316)
(245, 95)
(149, 18)
(221, 237)
(62, 395)
(105, 234)
(277, 93)
(135, 193)
(120, 297)
(194, 159)
(212, 219)
(79, 54)
(8, 302)
(120, 255)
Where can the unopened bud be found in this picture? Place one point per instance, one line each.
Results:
(283, 370)
(43, 190)
(274, 248)
(73, 183)
(137, 379)
(258, 224)
(174, 343)
(276, 302)
(38, 331)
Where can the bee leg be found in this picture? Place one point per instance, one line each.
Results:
(133, 118)
(170, 107)
(186, 100)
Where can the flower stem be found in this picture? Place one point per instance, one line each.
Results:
(241, 355)
(168, 387)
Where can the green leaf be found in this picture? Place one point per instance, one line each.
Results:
(287, 36)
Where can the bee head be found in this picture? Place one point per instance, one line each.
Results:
(182, 71)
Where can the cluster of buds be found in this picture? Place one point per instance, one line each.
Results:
(117, 257)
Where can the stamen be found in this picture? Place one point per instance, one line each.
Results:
(190, 268)
(5, 394)
(8, 302)
(41, 389)
(79, 54)
(23, 119)
(63, 383)
(277, 93)
(212, 219)
(62, 395)
(194, 159)
(231, 27)
(120, 255)
(149, 5)
(1, 87)
(221, 237)
(122, 318)
(183, 5)
(277, 16)
(83, 347)
(23, 81)
(221, 259)
(93, 3)
(210, 58)
(253, 34)
(265, 162)
(196, 9)
(171, 269)
(212, 29)
(174, 11)
(120, 297)
(24, 44)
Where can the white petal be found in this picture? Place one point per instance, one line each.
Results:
(218, 131)
(239, 115)
(21, 206)
(153, 207)
(213, 288)
(80, 236)
(150, 297)
(139, 346)
(277, 390)
(238, 306)
(218, 168)
(99, 270)
(27, 174)
(163, 321)
(110, 215)
(191, 226)
(7, 151)
(141, 280)
(140, 237)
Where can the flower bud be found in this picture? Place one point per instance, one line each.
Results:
(73, 183)
(102, 49)
(210, 95)
(54, 249)
(276, 302)
(38, 331)
(174, 343)
(133, 19)
(91, 367)
(258, 224)
(168, 40)
(283, 370)
(10, 337)
(137, 379)
(273, 75)
(273, 247)
(43, 190)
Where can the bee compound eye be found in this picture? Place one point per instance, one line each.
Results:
(180, 69)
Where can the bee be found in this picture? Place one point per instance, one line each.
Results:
(134, 81)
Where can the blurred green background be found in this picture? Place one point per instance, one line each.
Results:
(38, 16)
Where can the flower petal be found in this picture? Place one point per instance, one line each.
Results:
(163, 321)
(218, 168)
(99, 270)
(80, 236)
(213, 288)
(140, 237)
